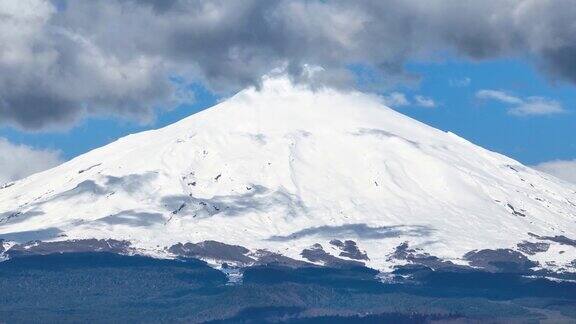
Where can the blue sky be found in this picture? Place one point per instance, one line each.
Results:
(452, 85)
(529, 139)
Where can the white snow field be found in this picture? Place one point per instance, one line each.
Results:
(285, 167)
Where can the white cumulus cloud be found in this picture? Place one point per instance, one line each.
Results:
(19, 161)
(529, 106)
(563, 169)
(425, 102)
(395, 99)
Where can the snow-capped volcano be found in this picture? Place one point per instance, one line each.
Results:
(310, 175)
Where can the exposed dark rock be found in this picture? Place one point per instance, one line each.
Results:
(213, 250)
(70, 246)
(560, 239)
(89, 168)
(316, 253)
(259, 198)
(416, 257)
(7, 216)
(531, 248)
(515, 212)
(337, 243)
(18, 216)
(270, 258)
(7, 185)
(512, 168)
(176, 211)
(349, 250)
(500, 260)
(402, 252)
(2, 246)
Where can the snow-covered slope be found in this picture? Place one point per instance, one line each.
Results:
(284, 168)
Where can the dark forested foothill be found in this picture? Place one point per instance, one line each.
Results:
(101, 287)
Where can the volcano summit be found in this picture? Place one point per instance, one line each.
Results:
(285, 174)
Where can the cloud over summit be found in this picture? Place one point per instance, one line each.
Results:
(63, 60)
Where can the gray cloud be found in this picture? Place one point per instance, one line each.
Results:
(19, 161)
(63, 60)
